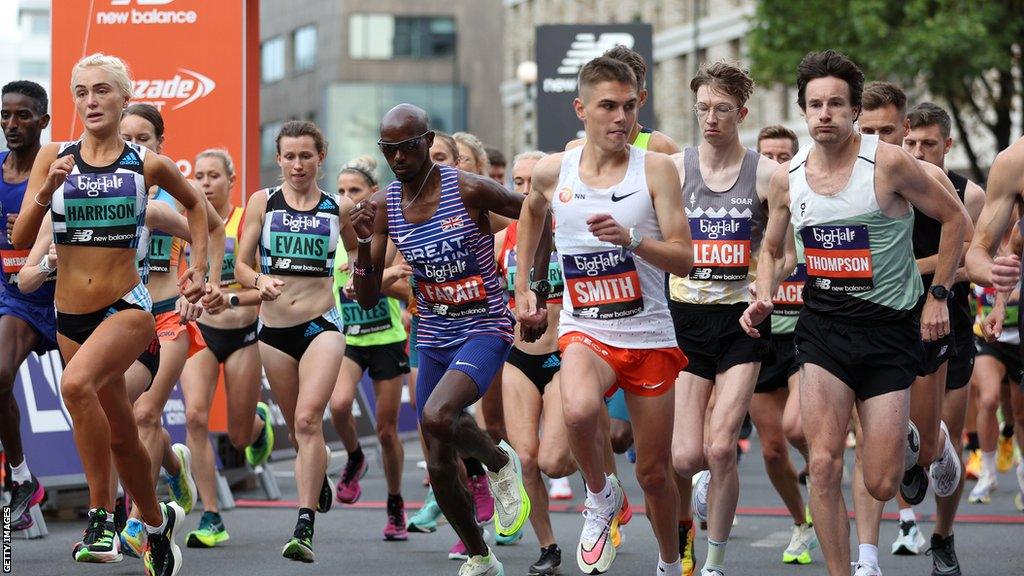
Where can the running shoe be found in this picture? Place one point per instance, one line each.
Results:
(982, 491)
(483, 499)
(323, 505)
(549, 562)
(458, 550)
(944, 561)
(511, 501)
(508, 540)
(24, 522)
(482, 566)
(300, 547)
(699, 500)
(257, 453)
(1005, 455)
(973, 466)
(909, 541)
(594, 553)
(210, 533)
(865, 569)
(120, 513)
(687, 558)
(348, 488)
(800, 545)
(162, 556)
(711, 572)
(625, 512)
(913, 450)
(560, 489)
(1018, 500)
(24, 495)
(133, 538)
(100, 543)
(945, 471)
(425, 519)
(181, 485)
(395, 529)
(914, 485)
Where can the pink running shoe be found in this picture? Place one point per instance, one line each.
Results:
(395, 529)
(480, 488)
(348, 485)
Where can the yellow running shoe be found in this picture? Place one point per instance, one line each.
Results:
(1006, 458)
(973, 466)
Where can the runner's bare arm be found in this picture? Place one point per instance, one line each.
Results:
(674, 253)
(763, 180)
(661, 142)
(246, 262)
(531, 229)
(47, 174)
(161, 216)
(163, 172)
(32, 276)
(1005, 189)
(370, 220)
(486, 195)
(773, 261)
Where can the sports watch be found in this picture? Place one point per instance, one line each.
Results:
(635, 238)
(542, 288)
(939, 292)
(233, 301)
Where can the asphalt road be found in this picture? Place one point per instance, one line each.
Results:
(990, 538)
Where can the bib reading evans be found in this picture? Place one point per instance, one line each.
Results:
(860, 262)
(296, 242)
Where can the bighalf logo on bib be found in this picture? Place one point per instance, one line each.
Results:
(142, 12)
(838, 258)
(182, 89)
(721, 248)
(602, 285)
(790, 296)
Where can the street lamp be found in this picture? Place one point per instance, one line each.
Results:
(526, 73)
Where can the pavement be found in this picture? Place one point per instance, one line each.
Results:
(349, 542)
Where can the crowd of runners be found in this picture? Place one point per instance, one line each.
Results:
(624, 295)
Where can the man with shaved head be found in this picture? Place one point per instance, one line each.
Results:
(437, 217)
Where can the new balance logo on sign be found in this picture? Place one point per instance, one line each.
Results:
(140, 2)
(584, 48)
(121, 14)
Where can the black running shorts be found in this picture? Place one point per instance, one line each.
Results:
(780, 365)
(711, 337)
(382, 361)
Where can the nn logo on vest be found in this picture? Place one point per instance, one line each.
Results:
(144, 15)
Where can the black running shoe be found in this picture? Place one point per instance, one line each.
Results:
(326, 496)
(548, 563)
(300, 547)
(914, 485)
(100, 543)
(24, 495)
(120, 514)
(944, 562)
(162, 556)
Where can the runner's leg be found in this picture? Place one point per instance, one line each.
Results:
(766, 411)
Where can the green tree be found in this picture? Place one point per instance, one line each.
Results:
(966, 54)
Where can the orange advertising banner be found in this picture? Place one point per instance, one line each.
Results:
(195, 60)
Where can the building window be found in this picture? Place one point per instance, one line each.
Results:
(383, 36)
(36, 22)
(304, 43)
(268, 144)
(35, 69)
(272, 60)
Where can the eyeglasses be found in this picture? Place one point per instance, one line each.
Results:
(721, 111)
(406, 146)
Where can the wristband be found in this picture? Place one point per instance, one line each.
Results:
(366, 240)
(36, 198)
(44, 265)
(256, 280)
(359, 271)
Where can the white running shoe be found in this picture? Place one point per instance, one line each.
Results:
(986, 485)
(945, 471)
(909, 541)
(710, 572)
(482, 566)
(560, 489)
(913, 446)
(800, 545)
(595, 552)
(511, 502)
(865, 569)
(699, 500)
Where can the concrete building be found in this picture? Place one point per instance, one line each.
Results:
(342, 64)
(686, 32)
(25, 46)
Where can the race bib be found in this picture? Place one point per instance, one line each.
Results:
(227, 268)
(721, 248)
(160, 248)
(453, 289)
(603, 285)
(13, 262)
(299, 243)
(554, 276)
(838, 258)
(99, 209)
(359, 322)
(790, 296)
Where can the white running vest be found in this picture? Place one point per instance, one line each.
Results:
(610, 294)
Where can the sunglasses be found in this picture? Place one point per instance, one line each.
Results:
(406, 146)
